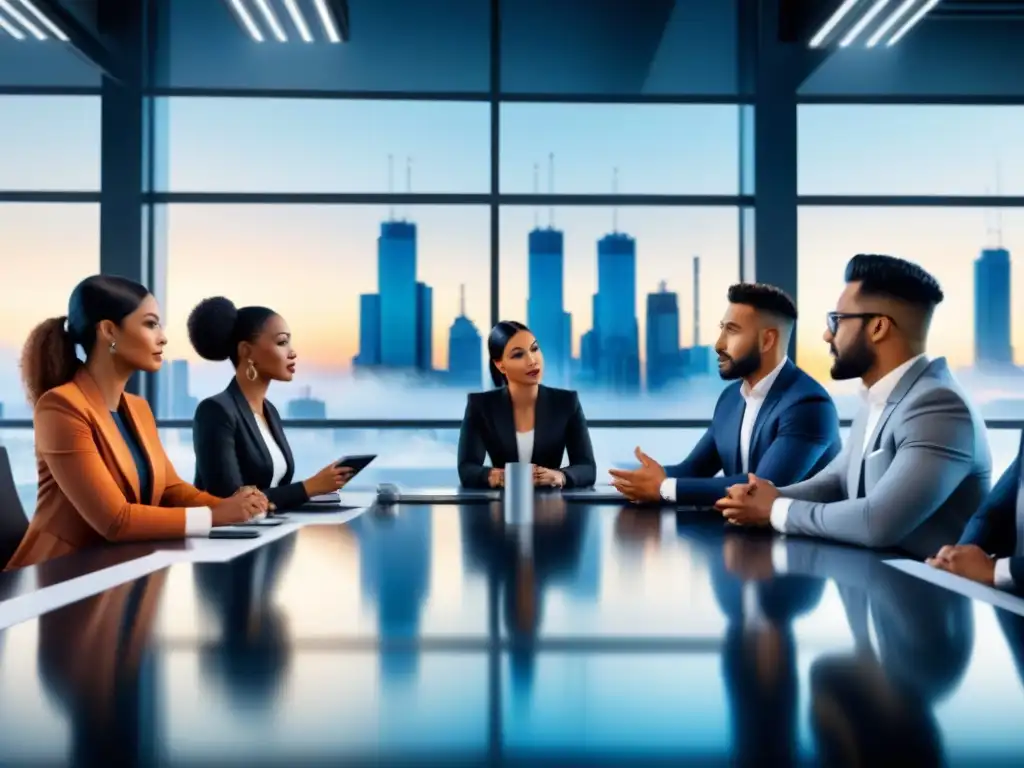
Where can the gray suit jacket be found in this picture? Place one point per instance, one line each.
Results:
(926, 470)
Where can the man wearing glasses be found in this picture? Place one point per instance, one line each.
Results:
(917, 462)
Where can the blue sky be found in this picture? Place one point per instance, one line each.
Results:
(328, 252)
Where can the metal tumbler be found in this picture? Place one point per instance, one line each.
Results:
(518, 499)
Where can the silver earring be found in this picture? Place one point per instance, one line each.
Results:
(113, 347)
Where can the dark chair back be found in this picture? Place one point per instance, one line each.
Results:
(13, 522)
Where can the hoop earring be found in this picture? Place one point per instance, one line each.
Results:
(113, 347)
(250, 371)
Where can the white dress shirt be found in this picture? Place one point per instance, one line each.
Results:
(524, 441)
(277, 459)
(753, 399)
(1003, 577)
(875, 399)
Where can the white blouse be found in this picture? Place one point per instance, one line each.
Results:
(276, 454)
(525, 442)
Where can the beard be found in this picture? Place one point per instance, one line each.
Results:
(854, 362)
(741, 367)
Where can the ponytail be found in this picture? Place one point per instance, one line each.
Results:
(48, 358)
(496, 376)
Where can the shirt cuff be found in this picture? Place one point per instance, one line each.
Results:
(198, 521)
(1003, 578)
(780, 514)
(668, 489)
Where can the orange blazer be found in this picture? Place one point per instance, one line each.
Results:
(88, 484)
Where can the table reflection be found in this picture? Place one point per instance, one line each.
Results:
(442, 635)
(94, 659)
(250, 657)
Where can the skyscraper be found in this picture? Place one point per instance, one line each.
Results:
(545, 312)
(465, 349)
(699, 359)
(184, 405)
(615, 316)
(174, 401)
(369, 330)
(424, 326)
(399, 305)
(663, 359)
(396, 324)
(992, 313)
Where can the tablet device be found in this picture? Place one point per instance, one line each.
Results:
(356, 463)
(267, 522)
(233, 533)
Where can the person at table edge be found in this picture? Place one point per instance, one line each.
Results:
(521, 420)
(991, 549)
(917, 461)
(103, 474)
(776, 420)
(237, 434)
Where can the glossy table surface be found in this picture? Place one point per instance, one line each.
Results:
(600, 635)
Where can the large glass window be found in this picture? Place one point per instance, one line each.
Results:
(45, 249)
(619, 47)
(30, 63)
(969, 250)
(625, 302)
(866, 149)
(50, 143)
(656, 148)
(395, 45)
(319, 145)
(387, 305)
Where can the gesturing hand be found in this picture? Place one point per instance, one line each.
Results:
(643, 484)
(496, 478)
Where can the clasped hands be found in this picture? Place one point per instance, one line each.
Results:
(749, 503)
(245, 504)
(967, 560)
(542, 476)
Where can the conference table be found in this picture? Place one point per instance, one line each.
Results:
(436, 633)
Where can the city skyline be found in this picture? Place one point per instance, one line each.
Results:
(312, 262)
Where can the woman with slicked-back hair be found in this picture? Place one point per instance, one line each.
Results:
(103, 474)
(521, 420)
(237, 434)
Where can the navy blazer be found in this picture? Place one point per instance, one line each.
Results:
(795, 436)
(559, 426)
(994, 526)
(230, 451)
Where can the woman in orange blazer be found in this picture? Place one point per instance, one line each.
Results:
(103, 475)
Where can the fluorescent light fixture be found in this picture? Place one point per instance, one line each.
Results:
(330, 28)
(19, 17)
(45, 20)
(832, 22)
(10, 29)
(889, 23)
(272, 22)
(863, 22)
(911, 22)
(298, 20)
(246, 20)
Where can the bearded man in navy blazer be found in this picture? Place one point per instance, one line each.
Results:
(775, 421)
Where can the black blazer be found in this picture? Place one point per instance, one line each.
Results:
(230, 451)
(559, 425)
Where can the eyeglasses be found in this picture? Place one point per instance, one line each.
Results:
(832, 318)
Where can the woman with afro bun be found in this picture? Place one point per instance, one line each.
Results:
(238, 436)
